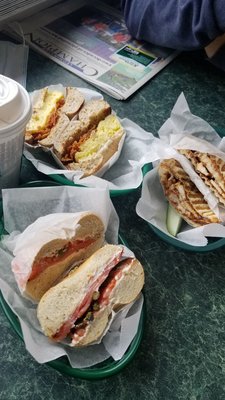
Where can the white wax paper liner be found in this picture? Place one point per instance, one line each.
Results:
(123, 171)
(181, 130)
(21, 207)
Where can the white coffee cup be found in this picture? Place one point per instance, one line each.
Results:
(15, 112)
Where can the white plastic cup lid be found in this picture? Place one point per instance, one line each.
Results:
(15, 104)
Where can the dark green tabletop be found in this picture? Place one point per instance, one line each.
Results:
(182, 354)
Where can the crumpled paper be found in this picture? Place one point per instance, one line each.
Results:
(182, 130)
(123, 171)
(21, 207)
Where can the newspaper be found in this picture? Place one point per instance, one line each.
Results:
(93, 43)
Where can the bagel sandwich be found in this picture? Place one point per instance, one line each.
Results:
(94, 149)
(88, 118)
(47, 249)
(88, 142)
(48, 104)
(82, 134)
(77, 310)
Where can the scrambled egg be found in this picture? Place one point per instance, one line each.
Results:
(104, 131)
(43, 112)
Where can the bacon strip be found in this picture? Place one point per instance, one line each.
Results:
(51, 121)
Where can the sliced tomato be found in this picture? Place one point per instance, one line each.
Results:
(40, 265)
(114, 276)
(84, 305)
(105, 291)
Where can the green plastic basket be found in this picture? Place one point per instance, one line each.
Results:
(103, 370)
(213, 243)
(109, 367)
(113, 193)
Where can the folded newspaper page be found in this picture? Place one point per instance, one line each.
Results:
(93, 43)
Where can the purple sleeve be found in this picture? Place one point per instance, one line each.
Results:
(179, 24)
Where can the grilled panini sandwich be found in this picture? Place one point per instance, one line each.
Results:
(183, 195)
(211, 170)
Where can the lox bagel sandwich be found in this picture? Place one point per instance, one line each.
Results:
(79, 307)
(49, 247)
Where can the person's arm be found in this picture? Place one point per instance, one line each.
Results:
(215, 52)
(178, 24)
(215, 46)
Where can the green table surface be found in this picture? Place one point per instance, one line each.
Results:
(182, 353)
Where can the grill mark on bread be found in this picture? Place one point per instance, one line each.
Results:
(211, 170)
(183, 195)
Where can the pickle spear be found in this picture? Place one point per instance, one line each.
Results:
(173, 220)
